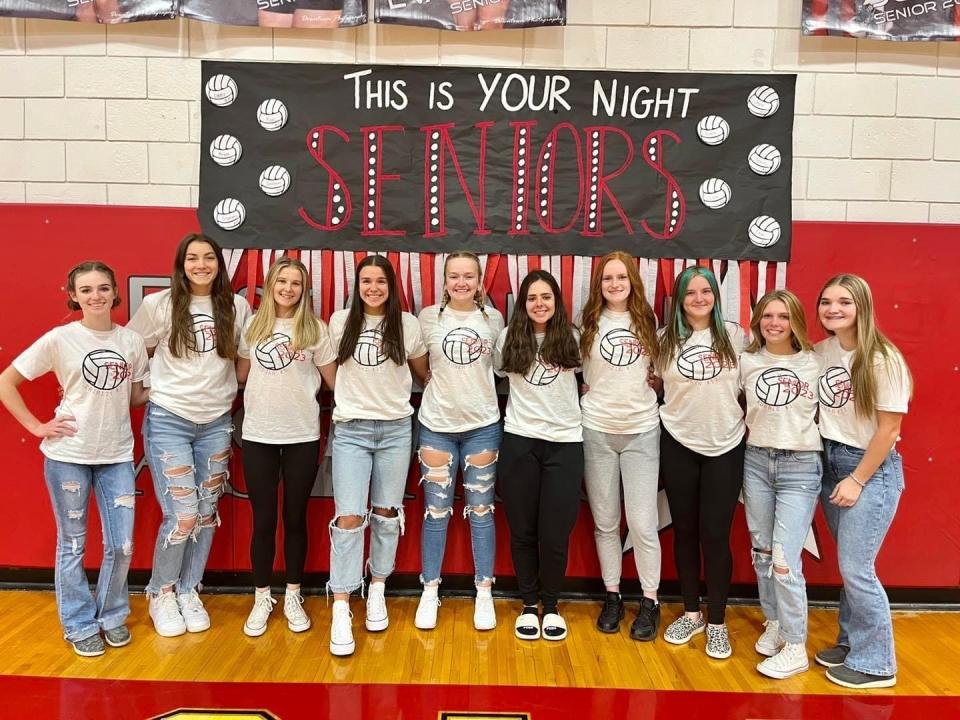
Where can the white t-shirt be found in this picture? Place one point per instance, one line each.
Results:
(95, 370)
(781, 395)
(701, 409)
(200, 385)
(838, 417)
(461, 394)
(370, 386)
(543, 402)
(280, 399)
(619, 401)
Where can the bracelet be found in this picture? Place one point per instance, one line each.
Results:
(856, 480)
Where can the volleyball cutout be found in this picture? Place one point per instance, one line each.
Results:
(221, 90)
(763, 101)
(204, 332)
(369, 349)
(229, 213)
(715, 193)
(462, 346)
(699, 362)
(274, 352)
(620, 347)
(835, 388)
(764, 231)
(105, 369)
(275, 181)
(272, 114)
(713, 129)
(225, 150)
(541, 373)
(764, 159)
(778, 387)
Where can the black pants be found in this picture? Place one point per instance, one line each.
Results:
(702, 492)
(540, 487)
(263, 466)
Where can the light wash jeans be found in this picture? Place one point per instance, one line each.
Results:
(189, 465)
(780, 491)
(70, 485)
(865, 624)
(439, 484)
(634, 461)
(371, 461)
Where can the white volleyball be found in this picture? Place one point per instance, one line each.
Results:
(275, 180)
(225, 150)
(764, 159)
(272, 114)
(229, 213)
(764, 231)
(221, 90)
(715, 193)
(713, 129)
(763, 101)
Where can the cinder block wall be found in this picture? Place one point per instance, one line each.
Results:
(94, 114)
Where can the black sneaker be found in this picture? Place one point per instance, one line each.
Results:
(611, 614)
(848, 678)
(89, 647)
(645, 627)
(117, 637)
(832, 657)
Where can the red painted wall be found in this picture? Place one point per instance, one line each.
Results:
(909, 267)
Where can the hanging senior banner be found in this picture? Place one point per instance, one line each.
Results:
(434, 159)
(278, 13)
(883, 19)
(472, 14)
(97, 11)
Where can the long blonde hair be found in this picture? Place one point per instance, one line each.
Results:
(642, 320)
(798, 321)
(870, 343)
(306, 327)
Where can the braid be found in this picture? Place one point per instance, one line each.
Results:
(444, 299)
(478, 298)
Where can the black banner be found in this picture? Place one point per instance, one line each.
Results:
(883, 19)
(472, 14)
(94, 11)
(497, 160)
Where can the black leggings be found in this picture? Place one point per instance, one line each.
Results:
(702, 493)
(262, 466)
(540, 486)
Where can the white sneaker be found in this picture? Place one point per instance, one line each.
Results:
(165, 613)
(790, 661)
(341, 629)
(377, 619)
(297, 619)
(770, 642)
(426, 617)
(484, 614)
(256, 624)
(194, 614)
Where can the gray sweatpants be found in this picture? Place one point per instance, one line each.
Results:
(635, 459)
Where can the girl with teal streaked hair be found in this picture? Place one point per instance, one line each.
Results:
(701, 449)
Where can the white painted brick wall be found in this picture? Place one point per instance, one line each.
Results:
(112, 115)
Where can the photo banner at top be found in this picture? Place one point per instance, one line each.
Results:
(435, 159)
(883, 19)
(471, 14)
(106, 12)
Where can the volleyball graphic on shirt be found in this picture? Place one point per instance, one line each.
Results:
(699, 362)
(462, 346)
(542, 373)
(105, 369)
(778, 387)
(620, 347)
(274, 352)
(204, 332)
(835, 388)
(369, 349)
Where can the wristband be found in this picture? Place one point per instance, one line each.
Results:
(856, 480)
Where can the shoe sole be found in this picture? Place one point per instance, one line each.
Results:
(719, 656)
(826, 663)
(88, 653)
(688, 638)
(342, 650)
(117, 644)
(198, 628)
(170, 633)
(377, 625)
(555, 638)
(254, 632)
(863, 686)
(527, 637)
(644, 638)
(776, 675)
(765, 652)
(299, 628)
(481, 627)
(614, 629)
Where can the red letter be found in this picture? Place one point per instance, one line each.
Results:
(675, 207)
(545, 179)
(437, 142)
(373, 179)
(522, 143)
(593, 217)
(339, 206)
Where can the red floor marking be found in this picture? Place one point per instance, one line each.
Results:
(37, 698)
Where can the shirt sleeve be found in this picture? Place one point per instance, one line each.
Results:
(893, 384)
(243, 347)
(145, 322)
(498, 354)
(323, 351)
(413, 337)
(141, 363)
(37, 359)
(243, 313)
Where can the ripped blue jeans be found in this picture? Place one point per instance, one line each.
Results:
(475, 452)
(70, 484)
(189, 464)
